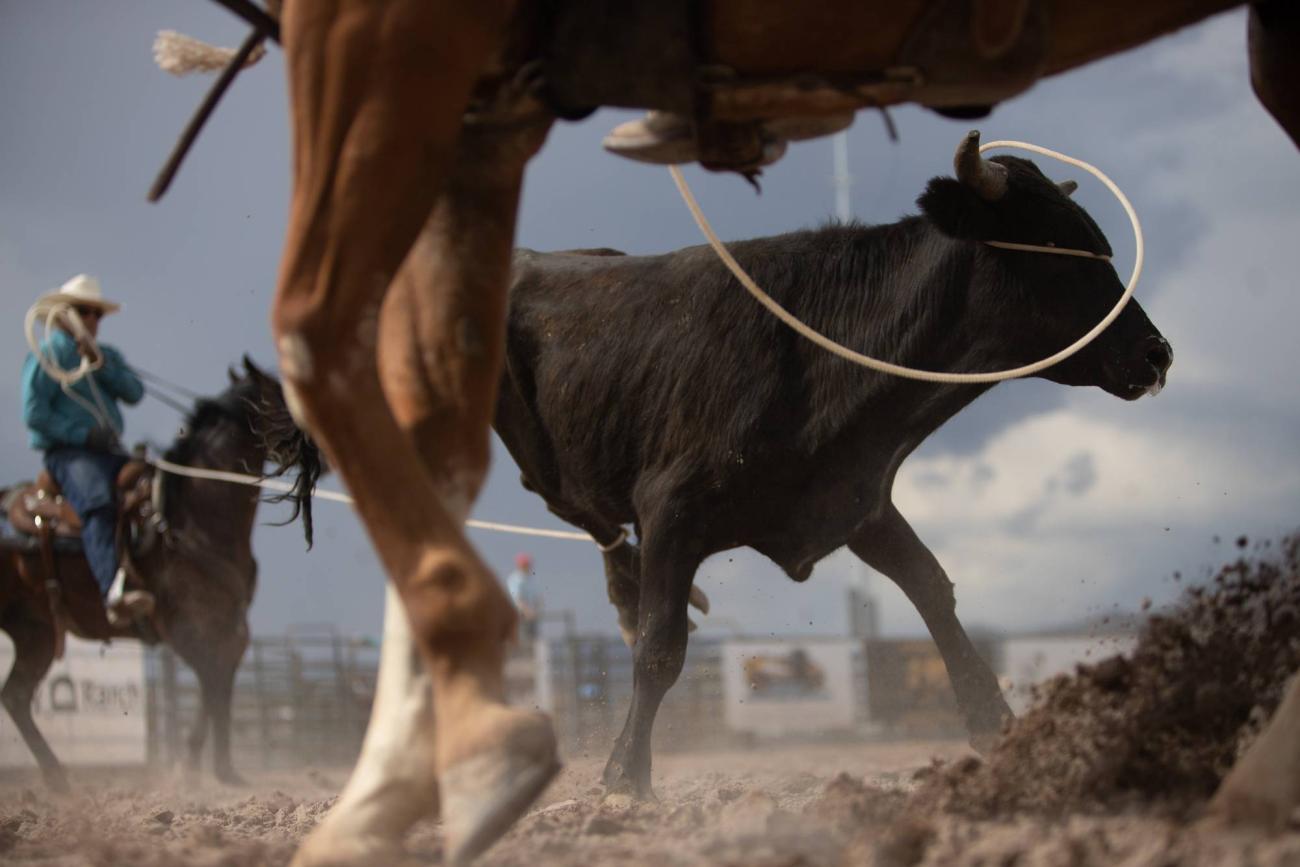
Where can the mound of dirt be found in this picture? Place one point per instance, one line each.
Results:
(1159, 729)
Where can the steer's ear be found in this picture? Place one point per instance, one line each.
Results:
(958, 211)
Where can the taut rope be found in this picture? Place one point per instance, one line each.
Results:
(340, 497)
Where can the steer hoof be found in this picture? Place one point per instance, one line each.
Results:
(57, 782)
(621, 788)
(484, 794)
(231, 777)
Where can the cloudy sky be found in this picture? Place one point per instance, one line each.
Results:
(1045, 504)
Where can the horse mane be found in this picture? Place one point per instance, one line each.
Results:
(289, 449)
(254, 401)
(234, 404)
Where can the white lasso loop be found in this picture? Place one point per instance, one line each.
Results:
(930, 375)
(52, 312)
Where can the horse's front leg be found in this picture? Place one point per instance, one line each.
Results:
(441, 333)
(378, 91)
(1264, 786)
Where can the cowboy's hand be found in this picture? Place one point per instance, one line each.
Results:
(101, 439)
(89, 350)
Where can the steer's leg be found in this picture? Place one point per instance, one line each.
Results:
(378, 90)
(890, 546)
(1264, 786)
(669, 561)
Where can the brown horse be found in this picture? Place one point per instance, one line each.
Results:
(413, 123)
(200, 569)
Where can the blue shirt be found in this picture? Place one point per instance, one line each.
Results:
(52, 417)
(522, 587)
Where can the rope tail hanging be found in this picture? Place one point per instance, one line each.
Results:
(181, 55)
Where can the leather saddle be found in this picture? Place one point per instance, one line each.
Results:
(42, 522)
(38, 508)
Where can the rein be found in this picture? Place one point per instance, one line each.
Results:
(933, 375)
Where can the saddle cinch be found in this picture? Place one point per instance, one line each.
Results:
(47, 524)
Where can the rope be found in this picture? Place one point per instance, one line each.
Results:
(162, 397)
(52, 311)
(340, 497)
(158, 380)
(930, 375)
(622, 537)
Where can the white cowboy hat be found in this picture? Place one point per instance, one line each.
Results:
(82, 289)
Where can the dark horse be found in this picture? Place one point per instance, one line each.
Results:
(201, 570)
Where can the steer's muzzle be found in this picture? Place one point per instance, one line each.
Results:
(1150, 373)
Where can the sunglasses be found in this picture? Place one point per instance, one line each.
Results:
(88, 312)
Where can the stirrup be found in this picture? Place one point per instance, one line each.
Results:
(123, 606)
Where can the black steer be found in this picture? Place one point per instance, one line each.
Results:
(653, 391)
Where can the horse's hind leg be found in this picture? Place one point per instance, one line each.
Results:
(198, 737)
(33, 652)
(214, 654)
(1264, 786)
(378, 92)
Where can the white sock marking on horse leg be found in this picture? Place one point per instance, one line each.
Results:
(394, 781)
(396, 765)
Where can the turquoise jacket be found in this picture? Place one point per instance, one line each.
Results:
(53, 419)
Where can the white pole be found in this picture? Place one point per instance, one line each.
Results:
(842, 180)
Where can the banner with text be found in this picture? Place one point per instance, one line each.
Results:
(91, 706)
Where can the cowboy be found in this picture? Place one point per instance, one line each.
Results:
(522, 586)
(78, 424)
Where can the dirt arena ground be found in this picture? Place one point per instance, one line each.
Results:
(1113, 765)
(781, 807)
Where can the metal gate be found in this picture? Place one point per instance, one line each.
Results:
(302, 698)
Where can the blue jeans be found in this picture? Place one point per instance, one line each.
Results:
(89, 482)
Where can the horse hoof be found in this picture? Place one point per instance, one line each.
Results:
(326, 850)
(484, 794)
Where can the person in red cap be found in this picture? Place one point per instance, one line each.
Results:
(522, 586)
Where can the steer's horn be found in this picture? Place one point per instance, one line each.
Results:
(987, 179)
